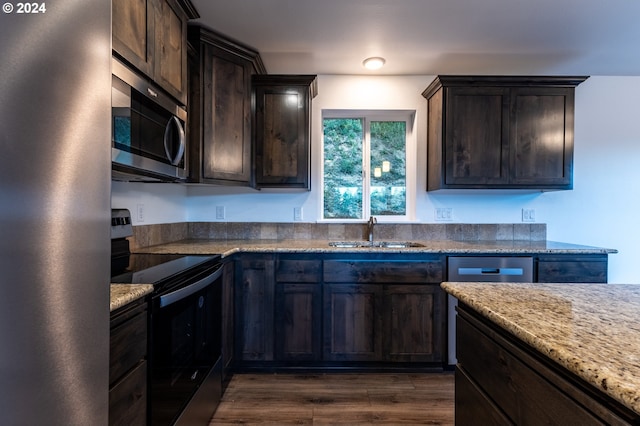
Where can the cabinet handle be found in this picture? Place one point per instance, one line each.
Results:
(152, 92)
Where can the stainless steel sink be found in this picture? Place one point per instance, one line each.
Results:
(378, 244)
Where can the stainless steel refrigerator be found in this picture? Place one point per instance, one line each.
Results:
(55, 87)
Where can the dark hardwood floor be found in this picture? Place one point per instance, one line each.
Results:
(344, 398)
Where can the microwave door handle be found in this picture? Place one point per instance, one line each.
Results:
(173, 121)
(175, 296)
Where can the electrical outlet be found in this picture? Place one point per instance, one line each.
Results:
(140, 213)
(444, 214)
(220, 213)
(528, 215)
(297, 214)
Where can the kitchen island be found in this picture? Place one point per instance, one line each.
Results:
(551, 352)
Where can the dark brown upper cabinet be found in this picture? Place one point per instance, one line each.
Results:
(220, 71)
(282, 130)
(500, 132)
(151, 35)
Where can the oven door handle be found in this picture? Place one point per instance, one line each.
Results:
(175, 296)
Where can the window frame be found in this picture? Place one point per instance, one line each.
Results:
(409, 117)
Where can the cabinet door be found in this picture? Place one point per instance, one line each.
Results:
(170, 61)
(413, 323)
(541, 136)
(298, 322)
(255, 313)
(476, 136)
(226, 144)
(133, 32)
(282, 131)
(352, 322)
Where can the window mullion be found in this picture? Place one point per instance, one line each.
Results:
(366, 161)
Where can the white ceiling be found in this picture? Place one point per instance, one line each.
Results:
(426, 37)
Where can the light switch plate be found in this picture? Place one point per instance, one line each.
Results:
(528, 215)
(220, 213)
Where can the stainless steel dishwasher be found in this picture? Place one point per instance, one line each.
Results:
(482, 269)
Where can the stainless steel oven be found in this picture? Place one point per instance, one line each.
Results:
(148, 129)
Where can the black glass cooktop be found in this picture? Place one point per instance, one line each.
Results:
(152, 268)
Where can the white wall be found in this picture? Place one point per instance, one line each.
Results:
(600, 211)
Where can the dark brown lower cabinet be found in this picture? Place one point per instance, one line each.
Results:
(254, 316)
(413, 320)
(502, 380)
(572, 268)
(353, 322)
(298, 320)
(384, 308)
(305, 310)
(128, 365)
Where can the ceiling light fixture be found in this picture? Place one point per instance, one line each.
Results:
(373, 63)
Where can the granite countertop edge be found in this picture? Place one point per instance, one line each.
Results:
(123, 294)
(607, 367)
(227, 248)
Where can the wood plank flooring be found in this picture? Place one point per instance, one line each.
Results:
(343, 398)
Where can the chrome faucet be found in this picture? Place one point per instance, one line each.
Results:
(372, 221)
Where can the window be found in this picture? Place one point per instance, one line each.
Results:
(365, 164)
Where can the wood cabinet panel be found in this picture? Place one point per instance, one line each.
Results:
(524, 384)
(133, 29)
(220, 116)
(516, 388)
(298, 322)
(472, 406)
(576, 269)
(541, 136)
(255, 315)
(298, 270)
(151, 35)
(128, 398)
(500, 132)
(380, 271)
(413, 326)
(353, 322)
(127, 365)
(171, 49)
(128, 345)
(282, 120)
(477, 150)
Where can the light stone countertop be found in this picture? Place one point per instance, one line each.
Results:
(121, 294)
(593, 330)
(229, 247)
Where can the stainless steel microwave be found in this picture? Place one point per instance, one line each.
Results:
(147, 130)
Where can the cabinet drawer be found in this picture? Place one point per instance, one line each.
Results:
(472, 407)
(524, 395)
(577, 269)
(128, 345)
(128, 398)
(381, 272)
(298, 270)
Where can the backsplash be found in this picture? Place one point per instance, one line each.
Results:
(150, 235)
